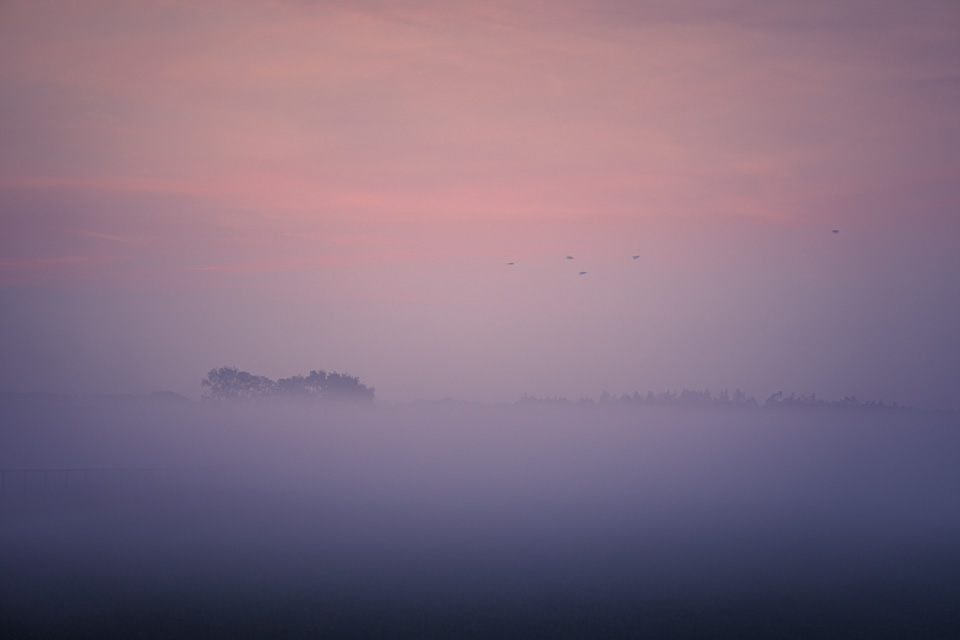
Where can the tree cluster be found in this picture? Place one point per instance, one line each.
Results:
(686, 398)
(779, 400)
(695, 398)
(230, 383)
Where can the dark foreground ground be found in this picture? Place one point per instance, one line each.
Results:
(540, 526)
(271, 566)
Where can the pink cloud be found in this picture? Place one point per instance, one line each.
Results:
(440, 112)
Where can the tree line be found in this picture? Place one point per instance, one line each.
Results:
(231, 384)
(696, 398)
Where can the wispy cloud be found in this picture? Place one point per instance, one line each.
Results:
(58, 262)
(450, 110)
(106, 236)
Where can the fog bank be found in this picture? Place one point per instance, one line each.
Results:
(302, 517)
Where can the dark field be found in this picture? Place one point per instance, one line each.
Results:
(455, 521)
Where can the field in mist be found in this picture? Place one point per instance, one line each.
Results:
(153, 517)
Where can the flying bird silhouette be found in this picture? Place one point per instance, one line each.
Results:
(509, 263)
(836, 231)
(569, 257)
(583, 273)
(635, 257)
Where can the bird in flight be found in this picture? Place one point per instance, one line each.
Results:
(636, 257)
(836, 231)
(583, 273)
(569, 257)
(509, 263)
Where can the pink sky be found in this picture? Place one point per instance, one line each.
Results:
(289, 185)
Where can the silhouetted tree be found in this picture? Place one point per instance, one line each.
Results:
(526, 399)
(229, 383)
(343, 387)
(316, 381)
(293, 387)
(774, 399)
(665, 398)
(741, 399)
(691, 398)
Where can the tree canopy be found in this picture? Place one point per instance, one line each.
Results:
(230, 383)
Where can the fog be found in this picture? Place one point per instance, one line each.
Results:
(479, 201)
(155, 516)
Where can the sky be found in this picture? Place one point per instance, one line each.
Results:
(290, 185)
